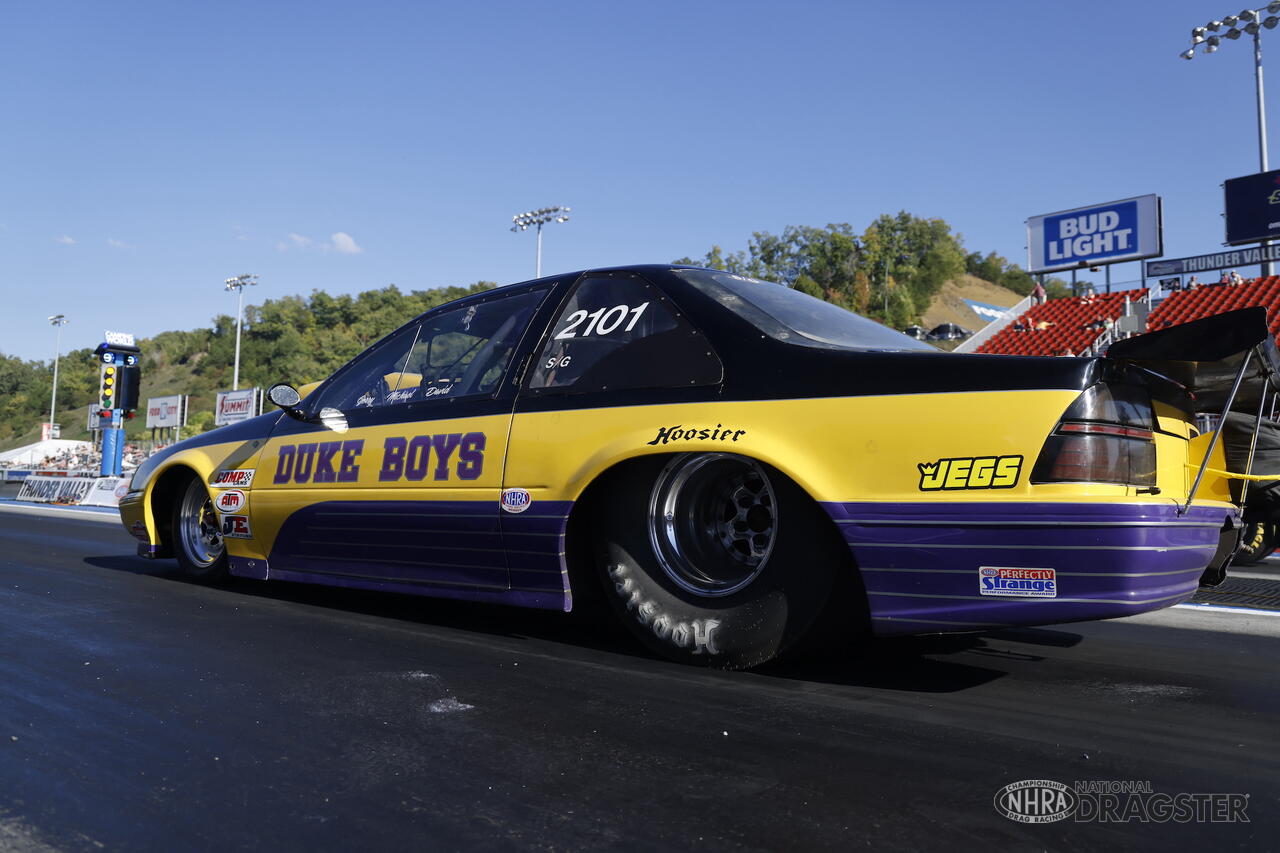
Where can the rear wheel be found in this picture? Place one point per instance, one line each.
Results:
(197, 534)
(1256, 542)
(716, 559)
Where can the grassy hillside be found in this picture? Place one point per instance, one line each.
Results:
(294, 339)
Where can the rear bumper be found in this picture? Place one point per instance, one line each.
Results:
(922, 564)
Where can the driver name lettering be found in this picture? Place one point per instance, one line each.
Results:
(413, 458)
(319, 462)
(678, 432)
(981, 472)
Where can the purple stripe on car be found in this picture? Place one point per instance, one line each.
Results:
(921, 564)
(457, 549)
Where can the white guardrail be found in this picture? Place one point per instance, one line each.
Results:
(990, 330)
(73, 489)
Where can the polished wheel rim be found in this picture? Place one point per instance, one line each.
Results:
(713, 521)
(199, 530)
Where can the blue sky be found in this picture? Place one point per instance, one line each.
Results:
(154, 149)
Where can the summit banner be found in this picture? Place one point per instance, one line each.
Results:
(1126, 230)
(236, 406)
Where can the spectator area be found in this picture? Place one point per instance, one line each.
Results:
(1072, 325)
(1072, 328)
(1185, 305)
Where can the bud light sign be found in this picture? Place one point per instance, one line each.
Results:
(1103, 234)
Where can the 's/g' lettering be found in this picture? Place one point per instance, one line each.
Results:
(964, 472)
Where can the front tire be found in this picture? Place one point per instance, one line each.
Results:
(197, 534)
(715, 559)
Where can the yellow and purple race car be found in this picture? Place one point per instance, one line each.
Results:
(727, 462)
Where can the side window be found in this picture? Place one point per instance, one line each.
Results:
(619, 331)
(454, 353)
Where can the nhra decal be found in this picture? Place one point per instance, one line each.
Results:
(516, 500)
(679, 433)
(236, 527)
(232, 500)
(319, 462)
(238, 478)
(1018, 583)
(139, 531)
(410, 458)
(964, 472)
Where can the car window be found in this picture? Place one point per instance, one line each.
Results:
(795, 317)
(619, 331)
(456, 352)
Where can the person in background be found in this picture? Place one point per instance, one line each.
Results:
(1192, 283)
(1236, 278)
(1038, 296)
(1225, 279)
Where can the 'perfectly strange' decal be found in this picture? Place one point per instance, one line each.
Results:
(970, 472)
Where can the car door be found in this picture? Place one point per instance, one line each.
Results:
(395, 481)
(617, 349)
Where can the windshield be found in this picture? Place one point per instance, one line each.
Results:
(795, 317)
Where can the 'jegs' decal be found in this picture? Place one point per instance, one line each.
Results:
(319, 462)
(965, 472)
(410, 458)
(678, 432)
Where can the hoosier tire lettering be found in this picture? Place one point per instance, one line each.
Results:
(698, 634)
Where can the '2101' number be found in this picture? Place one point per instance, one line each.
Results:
(604, 321)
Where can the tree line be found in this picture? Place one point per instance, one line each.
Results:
(890, 272)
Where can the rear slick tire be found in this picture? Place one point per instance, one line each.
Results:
(1256, 543)
(197, 535)
(715, 559)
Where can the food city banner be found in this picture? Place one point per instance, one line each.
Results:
(1110, 233)
(166, 412)
(236, 406)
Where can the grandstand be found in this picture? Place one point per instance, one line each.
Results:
(1060, 326)
(1079, 325)
(1185, 305)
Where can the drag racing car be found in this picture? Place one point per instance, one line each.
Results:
(728, 466)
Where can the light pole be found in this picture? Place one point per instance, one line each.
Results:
(1253, 23)
(539, 218)
(238, 284)
(58, 321)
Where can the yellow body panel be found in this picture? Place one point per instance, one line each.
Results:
(893, 449)
(837, 449)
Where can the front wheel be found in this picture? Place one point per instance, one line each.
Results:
(717, 559)
(197, 534)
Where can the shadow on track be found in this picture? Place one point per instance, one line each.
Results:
(910, 664)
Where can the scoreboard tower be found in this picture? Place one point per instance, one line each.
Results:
(119, 376)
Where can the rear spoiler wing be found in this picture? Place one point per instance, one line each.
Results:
(1212, 357)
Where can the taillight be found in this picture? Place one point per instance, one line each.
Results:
(1106, 436)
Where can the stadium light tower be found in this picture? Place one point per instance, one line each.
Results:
(57, 320)
(238, 284)
(541, 217)
(1251, 21)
